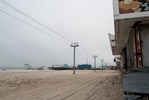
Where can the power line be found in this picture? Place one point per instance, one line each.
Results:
(34, 20)
(42, 30)
(31, 25)
(41, 24)
(84, 49)
(38, 29)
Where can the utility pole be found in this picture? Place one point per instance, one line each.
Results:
(106, 64)
(74, 45)
(95, 56)
(87, 61)
(102, 63)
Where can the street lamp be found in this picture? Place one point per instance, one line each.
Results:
(94, 56)
(74, 44)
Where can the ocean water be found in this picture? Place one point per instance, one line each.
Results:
(20, 68)
(11, 68)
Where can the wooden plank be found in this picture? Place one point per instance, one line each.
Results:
(136, 83)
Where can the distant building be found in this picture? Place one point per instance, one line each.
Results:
(84, 66)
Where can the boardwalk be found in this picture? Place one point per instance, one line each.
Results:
(61, 85)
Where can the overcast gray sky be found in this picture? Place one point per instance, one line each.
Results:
(85, 21)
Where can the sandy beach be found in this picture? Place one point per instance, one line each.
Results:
(61, 85)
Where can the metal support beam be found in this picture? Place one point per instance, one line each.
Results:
(95, 56)
(102, 63)
(74, 45)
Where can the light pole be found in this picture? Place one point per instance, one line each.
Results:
(95, 56)
(102, 63)
(74, 44)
